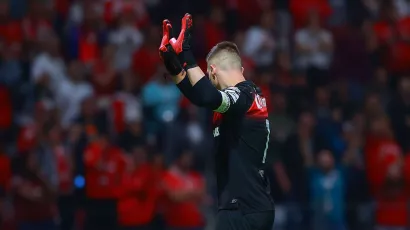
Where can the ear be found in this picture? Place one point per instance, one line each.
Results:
(242, 69)
(213, 69)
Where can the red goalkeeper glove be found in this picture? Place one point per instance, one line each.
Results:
(182, 45)
(167, 52)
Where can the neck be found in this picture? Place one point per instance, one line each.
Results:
(232, 80)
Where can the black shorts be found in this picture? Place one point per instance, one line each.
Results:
(236, 220)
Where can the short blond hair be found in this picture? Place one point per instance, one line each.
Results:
(225, 55)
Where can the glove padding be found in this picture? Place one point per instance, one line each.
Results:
(167, 52)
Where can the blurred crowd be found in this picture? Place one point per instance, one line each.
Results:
(95, 135)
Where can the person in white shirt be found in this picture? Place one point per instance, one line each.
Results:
(259, 43)
(48, 67)
(402, 8)
(132, 104)
(314, 45)
(127, 38)
(72, 92)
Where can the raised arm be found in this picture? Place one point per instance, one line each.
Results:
(182, 47)
(193, 85)
(177, 56)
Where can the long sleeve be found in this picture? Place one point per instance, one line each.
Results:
(204, 94)
(186, 89)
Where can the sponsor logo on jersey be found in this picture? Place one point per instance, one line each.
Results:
(216, 132)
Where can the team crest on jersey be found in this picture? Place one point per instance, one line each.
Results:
(258, 108)
(260, 101)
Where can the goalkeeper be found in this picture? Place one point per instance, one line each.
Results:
(240, 126)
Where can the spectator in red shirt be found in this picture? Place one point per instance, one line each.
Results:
(104, 76)
(5, 109)
(185, 191)
(29, 132)
(5, 178)
(145, 61)
(381, 151)
(104, 165)
(88, 44)
(62, 7)
(34, 197)
(300, 10)
(136, 8)
(138, 193)
(392, 210)
(10, 30)
(249, 9)
(393, 34)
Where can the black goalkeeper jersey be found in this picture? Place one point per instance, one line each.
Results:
(241, 133)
